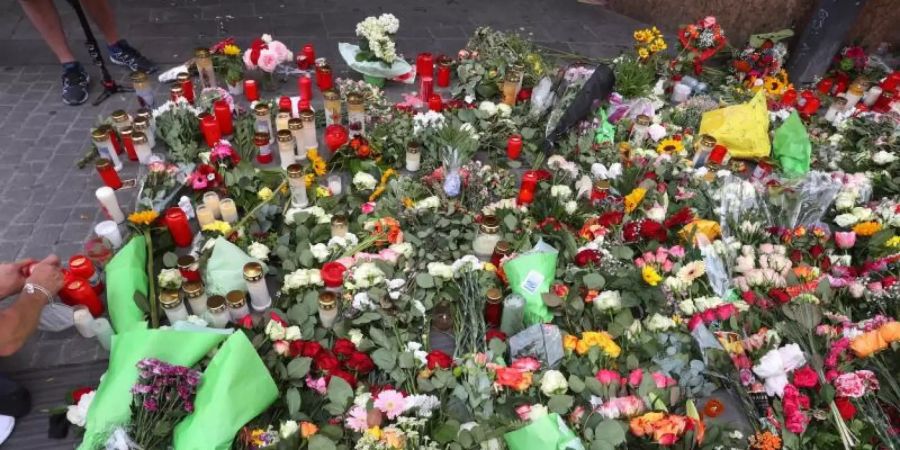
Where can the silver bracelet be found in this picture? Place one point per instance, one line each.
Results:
(31, 288)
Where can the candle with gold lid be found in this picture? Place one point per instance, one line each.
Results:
(141, 84)
(204, 64)
(286, 148)
(339, 225)
(295, 126)
(237, 305)
(187, 86)
(217, 311)
(256, 286)
(128, 142)
(105, 147)
(264, 147)
(356, 115)
(327, 308)
(332, 107)
(281, 120)
(196, 296)
(141, 147)
(493, 307)
(511, 85)
(487, 238)
(309, 130)
(176, 92)
(297, 183)
(262, 112)
(170, 300)
(120, 119)
(142, 124)
(413, 157)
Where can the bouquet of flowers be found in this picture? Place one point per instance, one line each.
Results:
(163, 395)
(699, 41)
(228, 63)
(376, 39)
(266, 54)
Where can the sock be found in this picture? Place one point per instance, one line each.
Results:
(118, 46)
(73, 66)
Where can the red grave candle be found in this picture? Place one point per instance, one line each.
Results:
(187, 89)
(493, 308)
(308, 57)
(435, 103)
(443, 71)
(223, 117)
(333, 274)
(324, 78)
(78, 291)
(304, 85)
(211, 132)
(514, 147)
(527, 187)
(425, 64)
(251, 90)
(426, 88)
(108, 173)
(284, 103)
(303, 105)
(128, 143)
(189, 268)
(883, 104)
(82, 267)
(177, 223)
(114, 138)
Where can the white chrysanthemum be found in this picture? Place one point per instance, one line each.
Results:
(427, 120)
(440, 270)
(364, 181)
(488, 107)
(468, 263)
(258, 250)
(367, 275)
(170, 279)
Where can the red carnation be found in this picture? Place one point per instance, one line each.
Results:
(311, 349)
(326, 361)
(587, 256)
(845, 407)
(360, 363)
(806, 377)
(630, 231)
(438, 359)
(495, 334)
(343, 348)
(347, 376)
(681, 217)
(653, 230)
(610, 218)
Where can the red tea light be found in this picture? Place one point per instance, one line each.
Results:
(435, 103)
(514, 147)
(78, 291)
(307, 57)
(187, 86)
(108, 173)
(444, 71)
(251, 90)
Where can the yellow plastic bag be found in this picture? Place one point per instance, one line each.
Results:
(743, 129)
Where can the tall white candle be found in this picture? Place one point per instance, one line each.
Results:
(109, 230)
(256, 286)
(872, 95)
(84, 321)
(204, 215)
(211, 201)
(107, 197)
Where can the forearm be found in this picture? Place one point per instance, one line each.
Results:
(19, 321)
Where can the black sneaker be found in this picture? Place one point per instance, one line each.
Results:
(128, 56)
(75, 86)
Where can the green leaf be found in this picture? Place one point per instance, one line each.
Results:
(594, 385)
(510, 221)
(446, 432)
(292, 397)
(407, 360)
(576, 385)
(319, 442)
(298, 368)
(339, 392)
(622, 252)
(594, 281)
(384, 359)
(560, 404)
(611, 432)
(425, 281)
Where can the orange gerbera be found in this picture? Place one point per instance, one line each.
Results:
(867, 229)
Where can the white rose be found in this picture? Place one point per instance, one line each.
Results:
(554, 382)
(292, 333)
(608, 300)
(77, 414)
(259, 251)
(561, 191)
(355, 336)
(288, 429)
(862, 214)
(488, 108)
(571, 206)
(537, 411)
(440, 270)
(275, 331)
(504, 110)
(844, 200)
(687, 307)
(845, 220)
(170, 278)
(883, 158)
(320, 252)
(364, 181)
(659, 322)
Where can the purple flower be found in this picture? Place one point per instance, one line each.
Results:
(150, 404)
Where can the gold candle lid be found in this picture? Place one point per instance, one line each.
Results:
(177, 91)
(327, 300)
(140, 122)
(490, 224)
(494, 295)
(186, 261)
(183, 76)
(201, 52)
(707, 140)
(261, 109)
(295, 124)
(324, 67)
(170, 298)
(307, 115)
(119, 115)
(503, 248)
(413, 147)
(295, 171)
(138, 77)
(444, 60)
(99, 135)
(331, 96)
(126, 131)
(143, 113)
(601, 185)
(138, 137)
(235, 299)
(513, 76)
(840, 102)
(193, 289)
(339, 219)
(216, 303)
(643, 120)
(253, 271)
(285, 136)
(354, 99)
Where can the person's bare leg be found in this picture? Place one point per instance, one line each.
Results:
(102, 14)
(44, 16)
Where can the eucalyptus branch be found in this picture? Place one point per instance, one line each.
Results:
(256, 208)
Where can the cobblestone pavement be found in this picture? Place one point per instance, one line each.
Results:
(48, 205)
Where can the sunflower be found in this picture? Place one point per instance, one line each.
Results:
(773, 85)
(143, 217)
(669, 146)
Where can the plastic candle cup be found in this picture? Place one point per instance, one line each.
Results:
(211, 201)
(108, 173)
(228, 210)
(237, 305)
(297, 183)
(286, 148)
(109, 230)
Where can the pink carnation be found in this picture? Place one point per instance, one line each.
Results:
(605, 376)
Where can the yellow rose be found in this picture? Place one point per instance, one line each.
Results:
(265, 194)
(651, 276)
(570, 342)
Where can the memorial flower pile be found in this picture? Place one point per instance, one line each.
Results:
(640, 256)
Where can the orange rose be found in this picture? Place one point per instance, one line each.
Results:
(308, 429)
(570, 342)
(867, 343)
(643, 425)
(518, 380)
(669, 430)
(890, 332)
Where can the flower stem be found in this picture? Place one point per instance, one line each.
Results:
(151, 300)
(256, 208)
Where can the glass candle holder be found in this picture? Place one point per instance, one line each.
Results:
(228, 210)
(260, 299)
(854, 93)
(356, 115)
(105, 147)
(98, 250)
(332, 107)
(703, 149)
(237, 305)
(211, 132)
(170, 300)
(177, 223)
(143, 125)
(217, 311)
(327, 308)
(80, 292)
(426, 87)
(295, 126)
(251, 90)
(108, 173)
(204, 64)
(189, 268)
(308, 56)
(511, 87)
(82, 267)
(640, 130)
(204, 215)
(413, 157)
(286, 148)
(442, 317)
(304, 86)
(883, 104)
(324, 77)
(211, 201)
(514, 147)
(425, 64)
(264, 149)
(107, 198)
(501, 250)
(513, 315)
(297, 183)
(493, 308)
(487, 238)
(120, 119)
(262, 112)
(223, 116)
(340, 226)
(281, 121)
(308, 117)
(141, 147)
(109, 231)
(183, 79)
(196, 296)
(142, 89)
(127, 134)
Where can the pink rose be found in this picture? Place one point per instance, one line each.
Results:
(281, 347)
(388, 255)
(635, 377)
(662, 381)
(724, 312)
(695, 321)
(367, 207)
(629, 406)
(528, 363)
(845, 239)
(708, 21)
(523, 411)
(268, 61)
(247, 61)
(605, 376)
(317, 384)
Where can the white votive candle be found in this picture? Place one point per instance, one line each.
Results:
(109, 230)
(256, 286)
(228, 210)
(211, 201)
(107, 197)
(204, 215)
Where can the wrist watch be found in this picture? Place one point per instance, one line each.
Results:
(31, 288)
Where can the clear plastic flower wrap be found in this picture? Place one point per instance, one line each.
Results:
(161, 185)
(541, 341)
(716, 270)
(738, 202)
(452, 181)
(802, 202)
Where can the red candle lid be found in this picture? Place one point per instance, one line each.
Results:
(333, 274)
(81, 266)
(515, 138)
(284, 103)
(175, 213)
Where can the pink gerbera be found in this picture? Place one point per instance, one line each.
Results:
(391, 403)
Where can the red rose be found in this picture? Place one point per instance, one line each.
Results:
(326, 361)
(296, 348)
(587, 256)
(610, 218)
(779, 295)
(825, 264)
(653, 230)
(348, 377)
(816, 251)
(709, 316)
(246, 322)
(845, 407)
(438, 359)
(495, 334)
(806, 377)
(749, 297)
(311, 349)
(724, 312)
(77, 393)
(695, 322)
(681, 217)
(360, 363)
(343, 348)
(796, 256)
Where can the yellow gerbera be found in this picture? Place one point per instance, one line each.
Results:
(231, 50)
(633, 199)
(867, 229)
(669, 146)
(643, 53)
(651, 276)
(143, 217)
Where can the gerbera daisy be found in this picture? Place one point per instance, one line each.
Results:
(773, 85)
(669, 146)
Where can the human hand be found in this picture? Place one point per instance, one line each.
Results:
(12, 277)
(47, 274)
